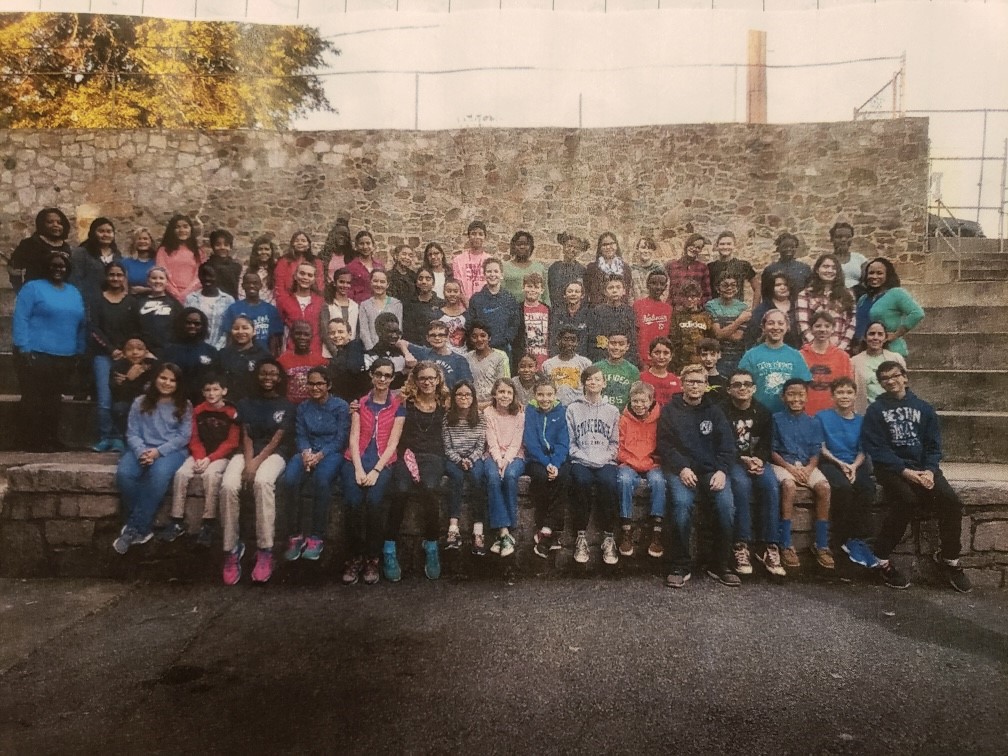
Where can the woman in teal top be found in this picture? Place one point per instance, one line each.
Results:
(886, 302)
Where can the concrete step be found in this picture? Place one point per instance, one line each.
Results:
(964, 318)
(962, 390)
(987, 293)
(960, 351)
(78, 424)
(977, 437)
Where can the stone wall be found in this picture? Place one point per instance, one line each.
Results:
(666, 181)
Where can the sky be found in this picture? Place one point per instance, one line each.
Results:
(624, 68)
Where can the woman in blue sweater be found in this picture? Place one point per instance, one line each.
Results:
(50, 325)
(157, 440)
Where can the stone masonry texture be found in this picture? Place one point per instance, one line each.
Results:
(664, 181)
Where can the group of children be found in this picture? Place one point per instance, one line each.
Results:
(685, 390)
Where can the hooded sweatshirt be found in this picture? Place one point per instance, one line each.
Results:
(901, 434)
(638, 439)
(699, 438)
(546, 438)
(593, 431)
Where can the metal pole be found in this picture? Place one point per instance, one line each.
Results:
(734, 115)
(1001, 212)
(580, 108)
(983, 153)
(416, 101)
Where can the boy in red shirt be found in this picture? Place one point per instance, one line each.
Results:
(825, 361)
(653, 316)
(298, 361)
(535, 316)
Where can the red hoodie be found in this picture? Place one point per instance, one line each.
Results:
(638, 440)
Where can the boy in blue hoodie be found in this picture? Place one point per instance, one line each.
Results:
(697, 448)
(546, 447)
(902, 436)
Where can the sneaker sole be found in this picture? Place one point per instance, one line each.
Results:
(610, 561)
(580, 560)
(685, 579)
(716, 576)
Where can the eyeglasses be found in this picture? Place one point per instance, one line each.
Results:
(463, 395)
(317, 384)
(890, 377)
(427, 378)
(694, 382)
(741, 384)
(693, 248)
(383, 375)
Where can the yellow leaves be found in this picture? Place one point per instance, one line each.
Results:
(84, 71)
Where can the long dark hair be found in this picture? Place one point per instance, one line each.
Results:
(836, 291)
(151, 396)
(892, 279)
(254, 264)
(454, 415)
(171, 242)
(91, 243)
(770, 282)
(290, 254)
(181, 337)
(114, 264)
(331, 248)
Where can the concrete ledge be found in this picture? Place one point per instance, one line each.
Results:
(59, 519)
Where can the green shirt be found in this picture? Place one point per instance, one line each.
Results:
(619, 378)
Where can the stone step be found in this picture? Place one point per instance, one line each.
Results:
(977, 437)
(986, 293)
(964, 318)
(78, 424)
(960, 351)
(962, 390)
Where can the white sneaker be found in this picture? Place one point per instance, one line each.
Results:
(581, 548)
(771, 560)
(742, 564)
(609, 554)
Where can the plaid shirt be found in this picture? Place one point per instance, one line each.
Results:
(843, 327)
(679, 272)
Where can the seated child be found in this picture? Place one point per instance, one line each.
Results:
(298, 360)
(546, 447)
(130, 374)
(638, 437)
(795, 450)
(215, 434)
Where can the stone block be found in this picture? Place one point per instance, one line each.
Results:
(69, 532)
(991, 536)
(98, 506)
(987, 579)
(22, 550)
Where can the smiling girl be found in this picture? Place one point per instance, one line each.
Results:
(180, 256)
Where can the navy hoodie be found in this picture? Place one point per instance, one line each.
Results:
(900, 434)
(699, 438)
(546, 438)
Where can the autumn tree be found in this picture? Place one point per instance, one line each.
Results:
(69, 70)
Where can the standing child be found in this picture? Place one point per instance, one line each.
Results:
(795, 451)
(619, 374)
(565, 271)
(527, 379)
(731, 315)
(158, 312)
(213, 303)
(773, 362)
(262, 262)
(536, 317)
(375, 305)
(129, 375)
(302, 302)
(266, 322)
(499, 310)
(227, 268)
(546, 448)
(612, 316)
(285, 273)
(215, 433)
(434, 260)
(741, 270)
(464, 437)
(593, 428)
(340, 305)
(571, 312)
(710, 357)
(453, 364)
(826, 363)
(653, 316)
(486, 364)
(645, 265)
(402, 276)
(453, 315)
(852, 490)
(564, 370)
(362, 266)
(690, 324)
(505, 462)
(688, 269)
(665, 383)
(422, 307)
(467, 265)
(298, 360)
(638, 439)
(159, 427)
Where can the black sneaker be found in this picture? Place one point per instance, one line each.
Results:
(543, 544)
(678, 578)
(171, 531)
(953, 573)
(893, 577)
(725, 576)
(205, 537)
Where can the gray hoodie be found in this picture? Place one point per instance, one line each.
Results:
(594, 432)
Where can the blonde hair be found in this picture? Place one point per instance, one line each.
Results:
(695, 368)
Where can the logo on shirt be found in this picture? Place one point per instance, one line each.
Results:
(278, 416)
(706, 427)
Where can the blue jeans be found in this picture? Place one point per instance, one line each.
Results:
(313, 520)
(683, 504)
(607, 498)
(502, 493)
(766, 485)
(366, 512)
(143, 488)
(102, 367)
(457, 478)
(628, 478)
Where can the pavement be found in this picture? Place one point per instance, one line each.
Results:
(557, 663)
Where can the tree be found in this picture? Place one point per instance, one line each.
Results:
(69, 70)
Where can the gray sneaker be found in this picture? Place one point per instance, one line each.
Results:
(609, 553)
(725, 576)
(581, 548)
(678, 578)
(129, 537)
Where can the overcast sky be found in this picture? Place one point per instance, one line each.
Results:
(647, 67)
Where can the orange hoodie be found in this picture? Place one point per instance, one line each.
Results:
(638, 439)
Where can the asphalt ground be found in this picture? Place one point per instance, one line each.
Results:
(559, 664)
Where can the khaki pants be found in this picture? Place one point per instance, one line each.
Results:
(264, 492)
(212, 477)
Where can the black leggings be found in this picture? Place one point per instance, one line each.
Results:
(902, 497)
(427, 492)
(42, 378)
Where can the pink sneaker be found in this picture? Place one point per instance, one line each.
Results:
(263, 567)
(232, 564)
